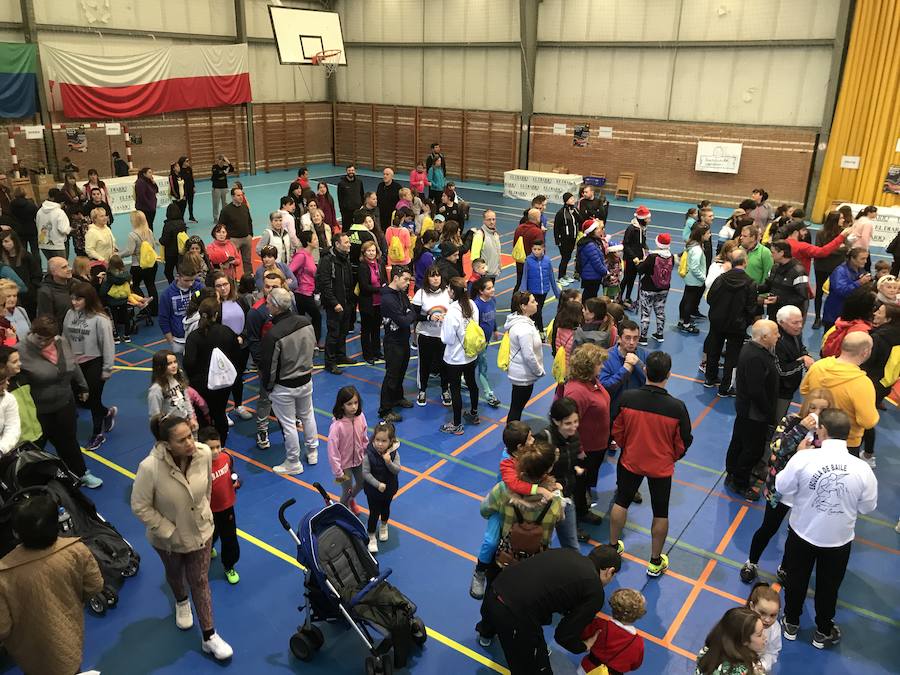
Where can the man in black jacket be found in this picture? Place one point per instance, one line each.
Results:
(732, 302)
(388, 193)
(757, 393)
(24, 211)
(590, 206)
(788, 282)
(566, 224)
(334, 279)
(435, 154)
(396, 317)
(285, 371)
(350, 193)
(792, 358)
(369, 208)
(525, 596)
(219, 178)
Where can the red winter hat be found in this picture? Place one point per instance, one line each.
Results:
(642, 213)
(590, 225)
(663, 240)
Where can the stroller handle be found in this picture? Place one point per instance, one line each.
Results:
(323, 492)
(284, 507)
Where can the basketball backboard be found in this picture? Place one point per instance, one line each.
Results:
(300, 34)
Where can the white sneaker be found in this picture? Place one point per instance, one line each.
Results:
(312, 457)
(373, 544)
(289, 468)
(382, 532)
(230, 421)
(243, 413)
(184, 617)
(868, 459)
(216, 646)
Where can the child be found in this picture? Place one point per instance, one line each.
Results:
(616, 643)
(479, 269)
(614, 280)
(568, 319)
(168, 393)
(516, 438)
(423, 257)
(423, 220)
(380, 467)
(418, 179)
(765, 601)
(399, 241)
(653, 289)
(482, 290)
(599, 326)
(114, 291)
(221, 501)
(880, 269)
(538, 279)
(347, 443)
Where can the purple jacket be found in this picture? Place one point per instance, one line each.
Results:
(145, 194)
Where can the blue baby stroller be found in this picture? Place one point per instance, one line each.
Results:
(344, 584)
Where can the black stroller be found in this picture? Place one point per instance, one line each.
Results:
(29, 468)
(343, 583)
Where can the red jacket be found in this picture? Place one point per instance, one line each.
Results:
(653, 429)
(509, 473)
(806, 252)
(223, 489)
(531, 233)
(615, 647)
(593, 413)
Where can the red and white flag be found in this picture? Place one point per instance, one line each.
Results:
(164, 80)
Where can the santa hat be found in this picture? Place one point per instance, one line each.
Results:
(663, 240)
(642, 213)
(590, 225)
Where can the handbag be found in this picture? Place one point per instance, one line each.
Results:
(222, 372)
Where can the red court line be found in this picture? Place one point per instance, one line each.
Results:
(394, 523)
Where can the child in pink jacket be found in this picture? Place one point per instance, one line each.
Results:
(347, 441)
(418, 179)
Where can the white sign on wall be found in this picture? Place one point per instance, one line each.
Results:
(604, 132)
(559, 129)
(521, 184)
(34, 132)
(718, 157)
(849, 162)
(113, 128)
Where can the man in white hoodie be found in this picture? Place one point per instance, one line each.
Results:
(52, 225)
(826, 488)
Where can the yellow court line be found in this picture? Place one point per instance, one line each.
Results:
(268, 548)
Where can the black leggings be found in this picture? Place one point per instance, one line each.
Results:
(768, 528)
(592, 462)
(237, 389)
(226, 530)
(821, 278)
(566, 247)
(93, 373)
(169, 268)
(121, 316)
(190, 204)
(148, 278)
(627, 484)
(370, 333)
(521, 394)
(60, 428)
(431, 360)
(306, 304)
(379, 505)
(589, 289)
(455, 374)
(690, 303)
(628, 281)
(217, 401)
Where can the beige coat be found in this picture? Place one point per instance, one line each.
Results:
(174, 506)
(42, 596)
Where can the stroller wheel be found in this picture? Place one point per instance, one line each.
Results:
(97, 603)
(387, 664)
(112, 598)
(314, 636)
(380, 665)
(131, 569)
(417, 628)
(301, 648)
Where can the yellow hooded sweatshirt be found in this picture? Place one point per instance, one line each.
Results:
(853, 393)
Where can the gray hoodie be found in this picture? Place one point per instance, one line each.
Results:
(51, 384)
(526, 355)
(52, 226)
(91, 336)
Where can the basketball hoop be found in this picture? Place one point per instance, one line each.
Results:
(328, 58)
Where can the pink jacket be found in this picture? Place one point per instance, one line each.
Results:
(418, 180)
(347, 441)
(304, 268)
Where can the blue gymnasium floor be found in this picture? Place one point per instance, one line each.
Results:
(437, 528)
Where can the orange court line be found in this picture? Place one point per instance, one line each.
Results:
(704, 576)
(704, 413)
(659, 641)
(394, 523)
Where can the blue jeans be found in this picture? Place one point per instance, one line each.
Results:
(567, 529)
(482, 374)
(491, 539)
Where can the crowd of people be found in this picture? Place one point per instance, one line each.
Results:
(404, 262)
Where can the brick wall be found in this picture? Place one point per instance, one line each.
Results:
(662, 154)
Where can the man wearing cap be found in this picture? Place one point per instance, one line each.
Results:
(656, 279)
(590, 258)
(634, 249)
(565, 231)
(525, 596)
(529, 231)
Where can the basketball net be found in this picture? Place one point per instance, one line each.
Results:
(328, 59)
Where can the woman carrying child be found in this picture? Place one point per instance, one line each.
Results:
(347, 443)
(380, 470)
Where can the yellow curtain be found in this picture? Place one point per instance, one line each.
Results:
(867, 118)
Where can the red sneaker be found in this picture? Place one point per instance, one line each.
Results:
(355, 507)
